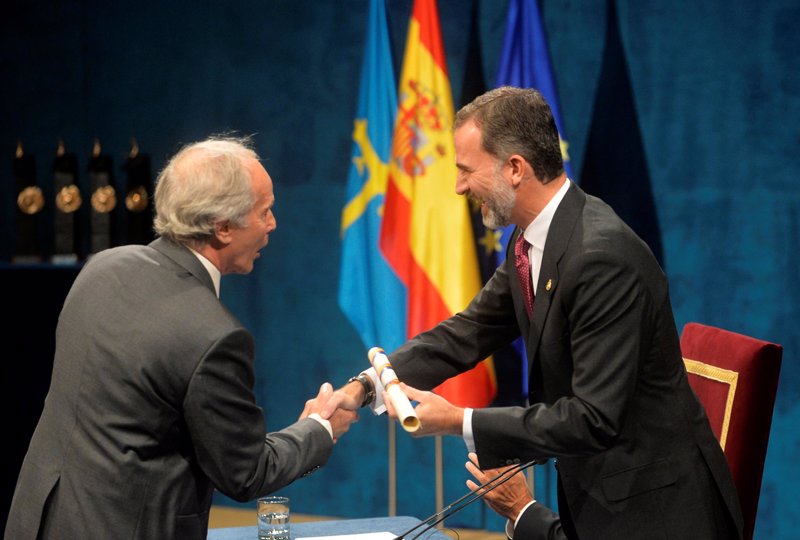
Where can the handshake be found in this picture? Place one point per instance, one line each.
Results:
(433, 415)
(330, 412)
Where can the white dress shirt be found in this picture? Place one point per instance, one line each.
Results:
(213, 271)
(536, 234)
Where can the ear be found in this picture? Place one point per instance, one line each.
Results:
(223, 232)
(518, 168)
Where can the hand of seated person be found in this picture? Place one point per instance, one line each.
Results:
(508, 499)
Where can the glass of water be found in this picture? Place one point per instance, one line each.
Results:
(273, 518)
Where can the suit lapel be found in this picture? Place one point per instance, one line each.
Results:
(558, 237)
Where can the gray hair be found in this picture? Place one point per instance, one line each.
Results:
(516, 121)
(205, 183)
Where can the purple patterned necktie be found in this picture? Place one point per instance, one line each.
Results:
(523, 265)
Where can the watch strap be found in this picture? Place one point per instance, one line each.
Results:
(369, 388)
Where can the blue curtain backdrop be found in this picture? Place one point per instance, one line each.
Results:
(717, 91)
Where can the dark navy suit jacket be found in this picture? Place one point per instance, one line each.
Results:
(609, 397)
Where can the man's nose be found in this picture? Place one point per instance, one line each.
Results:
(461, 185)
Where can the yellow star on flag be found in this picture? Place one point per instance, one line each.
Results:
(491, 241)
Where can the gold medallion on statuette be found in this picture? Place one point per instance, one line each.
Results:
(136, 200)
(68, 199)
(30, 200)
(104, 199)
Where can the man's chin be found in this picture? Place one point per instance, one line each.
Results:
(495, 220)
(490, 222)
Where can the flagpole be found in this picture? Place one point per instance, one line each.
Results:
(392, 470)
(439, 477)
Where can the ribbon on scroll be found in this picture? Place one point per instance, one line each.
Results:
(402, 406)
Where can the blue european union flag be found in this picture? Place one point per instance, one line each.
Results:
(525, 63)
(525, 60)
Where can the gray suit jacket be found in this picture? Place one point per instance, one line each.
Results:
(608, 392)
(150, 408)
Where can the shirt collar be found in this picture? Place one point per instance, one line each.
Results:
(536, 232)
(213, 271)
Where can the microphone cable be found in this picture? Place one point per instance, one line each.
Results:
(466, 500)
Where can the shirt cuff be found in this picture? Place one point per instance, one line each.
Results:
(377, 406)
(466, 430)
(325, 423)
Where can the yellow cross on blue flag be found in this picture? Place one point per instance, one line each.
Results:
(370, 294)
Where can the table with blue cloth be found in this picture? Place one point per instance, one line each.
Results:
(397, 525)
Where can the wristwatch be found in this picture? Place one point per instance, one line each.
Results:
(369, 388)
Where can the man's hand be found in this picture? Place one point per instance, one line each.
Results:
(340, 419)
(437, 416)
(508, 499)
(340, 422)
(349, 397)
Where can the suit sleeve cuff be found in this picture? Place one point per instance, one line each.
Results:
(509, 528)
(325, 423)
(466, 430)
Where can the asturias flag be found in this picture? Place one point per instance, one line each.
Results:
(426, 233)
(370, 294)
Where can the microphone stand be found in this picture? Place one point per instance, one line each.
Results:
(470, 497)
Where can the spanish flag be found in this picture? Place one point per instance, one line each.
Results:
(426, 234)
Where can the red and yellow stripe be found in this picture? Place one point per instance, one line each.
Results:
(426, 233)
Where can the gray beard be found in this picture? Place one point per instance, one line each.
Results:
(499, 206)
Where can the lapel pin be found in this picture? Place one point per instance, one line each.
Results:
(549, 285)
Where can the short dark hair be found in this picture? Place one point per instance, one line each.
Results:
(517, 121)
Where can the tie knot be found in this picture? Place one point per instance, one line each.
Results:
(521, 247)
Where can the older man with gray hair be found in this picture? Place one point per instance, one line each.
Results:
(151, 403)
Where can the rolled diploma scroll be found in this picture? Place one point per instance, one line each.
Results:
(402, 406)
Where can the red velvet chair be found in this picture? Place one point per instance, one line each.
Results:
(736, 379)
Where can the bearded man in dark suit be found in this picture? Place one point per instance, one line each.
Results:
(608, 392)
